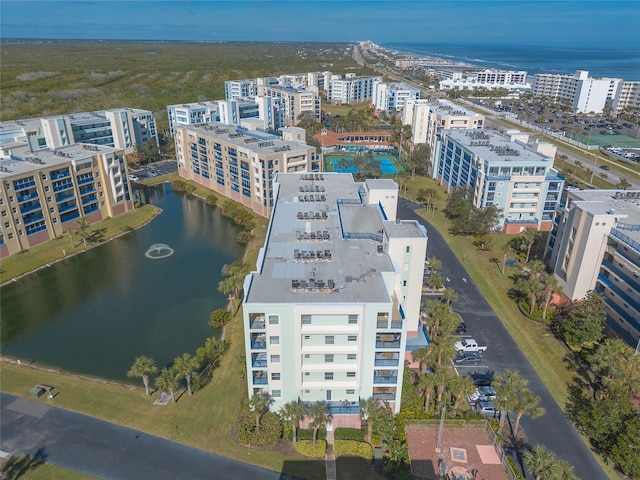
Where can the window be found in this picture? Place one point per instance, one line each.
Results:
(273, 320)
(276, 393)
(306, 319)
(351, 374)
(274, 340)
(407, 250)
(328, 375)
(4, 213)
(328, 358)
(6, 224)
(329, 340)
(352, 338)
(353, 319)
(404, 283)
(275, 376)
(10, 236)
(351, 356)
(351, 391)
(307, 337)
(275, 358)
(306, 355)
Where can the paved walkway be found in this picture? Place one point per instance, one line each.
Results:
(330, 457)
(108, 451)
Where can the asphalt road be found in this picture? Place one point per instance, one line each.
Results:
(156, 169)
(552, 429)
(108, 451)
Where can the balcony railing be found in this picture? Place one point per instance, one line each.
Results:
(22, 186)
(64, 186)
(27, 197)
(260, 380)
(388, 344)
(33, 218)
(66, 208)
(384, 396)
(58, 175)
(257, 325)
(259, 345)
(30, 208)
(259, 363)
(386, 362)
(384, 379)
(82, 181)
(64, 196)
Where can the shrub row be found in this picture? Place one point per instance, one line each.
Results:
(353, 447)
(306, 448)
(303, 434)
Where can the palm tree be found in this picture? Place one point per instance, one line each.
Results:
(532, 288)
(530, 236)
(143, 367)
(168, 381)
(320, 414)
(623, 184)
(460, 386)
(617, 364)
(443, 377)
(564, 471)
(83, 229)
(527, 404)
(435, 264)
(426, 384)
(369, 409)
(259, 404)
(420, 355)
(550, 286)
(291, 413)
(449, 295)
(507, 387)
(185, 365)
(541, 462)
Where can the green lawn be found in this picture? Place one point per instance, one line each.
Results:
(56, 249)
(27, 468)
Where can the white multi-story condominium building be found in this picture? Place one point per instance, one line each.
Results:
(294, 101)
(46, 191)
(122, 128)
(391, 97)
(234, 89)
(264, 113)
(351, 88)
(319, 80)
(487, 79)
(241, 164)
(628, 97)
(502, 171)
(595, 245)
(428, 118)
(335, 294)
(586, 94)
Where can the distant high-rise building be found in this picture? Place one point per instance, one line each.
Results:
(351, 88)
(488, 79)
(628, 97)
(391, 98)
(585, 94)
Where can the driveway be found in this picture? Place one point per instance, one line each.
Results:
(552, 429)
(108, 451)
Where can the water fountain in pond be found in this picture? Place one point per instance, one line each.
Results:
(158, 251)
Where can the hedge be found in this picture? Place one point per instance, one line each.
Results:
(349, 434)
(306, 448)
(353, 448)
(302, 434)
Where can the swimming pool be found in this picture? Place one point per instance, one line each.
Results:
(386, 165)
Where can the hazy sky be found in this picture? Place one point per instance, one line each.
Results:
(535, 22)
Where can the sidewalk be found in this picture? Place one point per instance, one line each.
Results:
(330, 458)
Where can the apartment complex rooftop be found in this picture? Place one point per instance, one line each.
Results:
(446, 108)
(326, 243)
(496, 148)
(261, 142)
(623, 205)
(18, 159)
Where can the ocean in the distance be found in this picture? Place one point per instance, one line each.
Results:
(622, 61)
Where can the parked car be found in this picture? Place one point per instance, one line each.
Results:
(152, 173)
(486, 408)
(605, 167)
(469, 345)
(628, 125)
(482, 379)
(133, 178)
(461, 328)
(483, 394)
(467, 358)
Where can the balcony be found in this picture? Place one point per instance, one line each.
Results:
(66, 208)
(90, 208)
(384, 397)
(257, 324)
(89, 199)
(385, 379)
(260, 380)
(22, 186)
(28, 196)
(64, 196)
(63, 186)
(89, 189)
(343, 408)
(82, 181)
(58, 175)
(30, 208)
(259, 360)
(34, 217)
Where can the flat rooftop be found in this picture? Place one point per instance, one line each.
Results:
(495, 148)
(259, 142)
(324, 245)
(621, 204)
(21, 160)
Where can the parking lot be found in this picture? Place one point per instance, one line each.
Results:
(152, 170)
